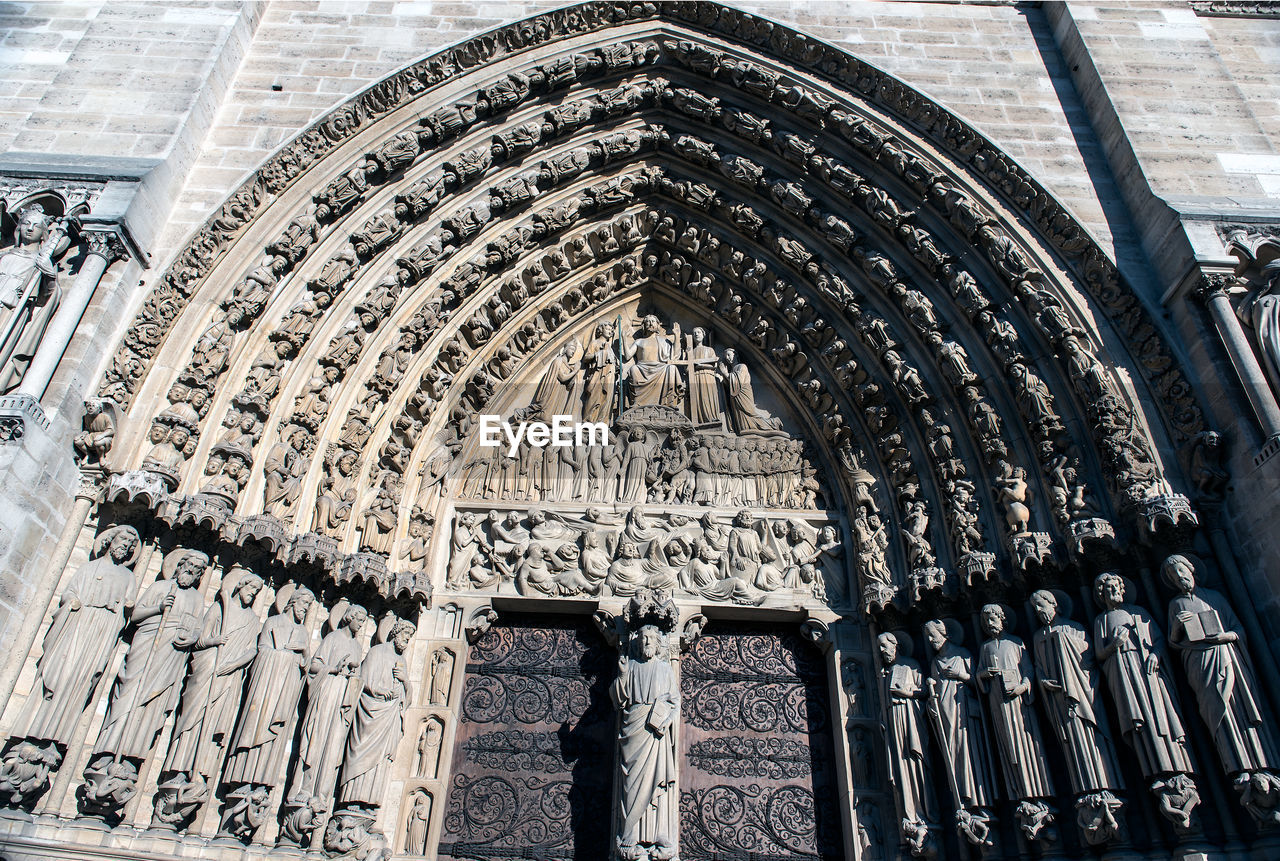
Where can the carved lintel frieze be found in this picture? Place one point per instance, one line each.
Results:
(1236, 8)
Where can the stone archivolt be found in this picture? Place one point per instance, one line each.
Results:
(920, 325)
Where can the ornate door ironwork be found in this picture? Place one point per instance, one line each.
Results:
(758, 778)
(533, 762)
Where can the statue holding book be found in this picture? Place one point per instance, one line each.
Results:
(1205, 631)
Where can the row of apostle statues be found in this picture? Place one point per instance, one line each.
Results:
(543, 553)
(983, 720)
(241, 688)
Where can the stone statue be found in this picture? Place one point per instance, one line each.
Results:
(1005, 676)
(29, 291)
(441, 676)
(957, 723)
(1069, 691)
(379, 723)
(428, 764)
(1205, 631)
(333, 688)
(600, 374)
(1131, 650)
(418, 827)
(559, 392)
(648, 698)
(744, 417)
(220, 655)
(270, 704)
(168, 619)
(1261, 310)
(903, 693)
(85, 629)
(146, 692)
(704, 382)
(653, 378)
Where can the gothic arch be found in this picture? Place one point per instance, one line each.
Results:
(960, 384)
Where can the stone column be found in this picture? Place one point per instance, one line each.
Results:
(91, 484)
(1212, 291)
(104, 248)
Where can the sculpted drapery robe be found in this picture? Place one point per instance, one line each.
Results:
(902, 684)
(1144, 701)
(647, 697)
(1013, 719)
(744, 417)
(653, 380)
(1062, 655)
(211, 697)
(1223, 682)
(29, 296)
(377, 728)
(78, 647)
(331, 699)
(704, 387)
(963, 735)
(148, 686)
(270, 703)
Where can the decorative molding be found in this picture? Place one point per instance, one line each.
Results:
(1236, 8)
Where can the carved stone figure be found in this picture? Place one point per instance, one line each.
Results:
(648, 698)
(220, 656)
(168, 618)
(271, 698)
(29, 292)
(1261, 310)
(1131, 650)
(333, 687)
(600, 375)
(1005, 675)
(98, 431)
(959, 728)
(1069, 688)
(85, 628)
(378, 724)
(428, 763)
(742, 413)
(418, 826)
(903, 693)
(653, 377)
(1205, 631)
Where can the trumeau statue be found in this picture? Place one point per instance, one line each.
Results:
(333, 689)
(1130, 648)
(1005, 676)
(959, 728)
(168, 619)
(257, 750)
(378, 724)
(1206, 632)
(220, 655)
(1069, 692)
(647, 696)
(29, 290)
(903, 691)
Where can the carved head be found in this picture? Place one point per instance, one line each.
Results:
(158, 433)
(743, 519)
(122, 546)
(1180, 573)
(649, 642)
(935, 632)
(248, 587)
(1045, 605)
(190, 568)
(888, 648)
(699, 335)
(401, 633)
(32, 224)
(993, 620)
(355, 617)
(1108, 589)
(730, 356)
(299, 603)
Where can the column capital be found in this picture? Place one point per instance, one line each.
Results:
(1212, 284)
(105, 242)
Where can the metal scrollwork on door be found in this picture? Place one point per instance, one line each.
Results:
(759, 776)
(533, 762)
